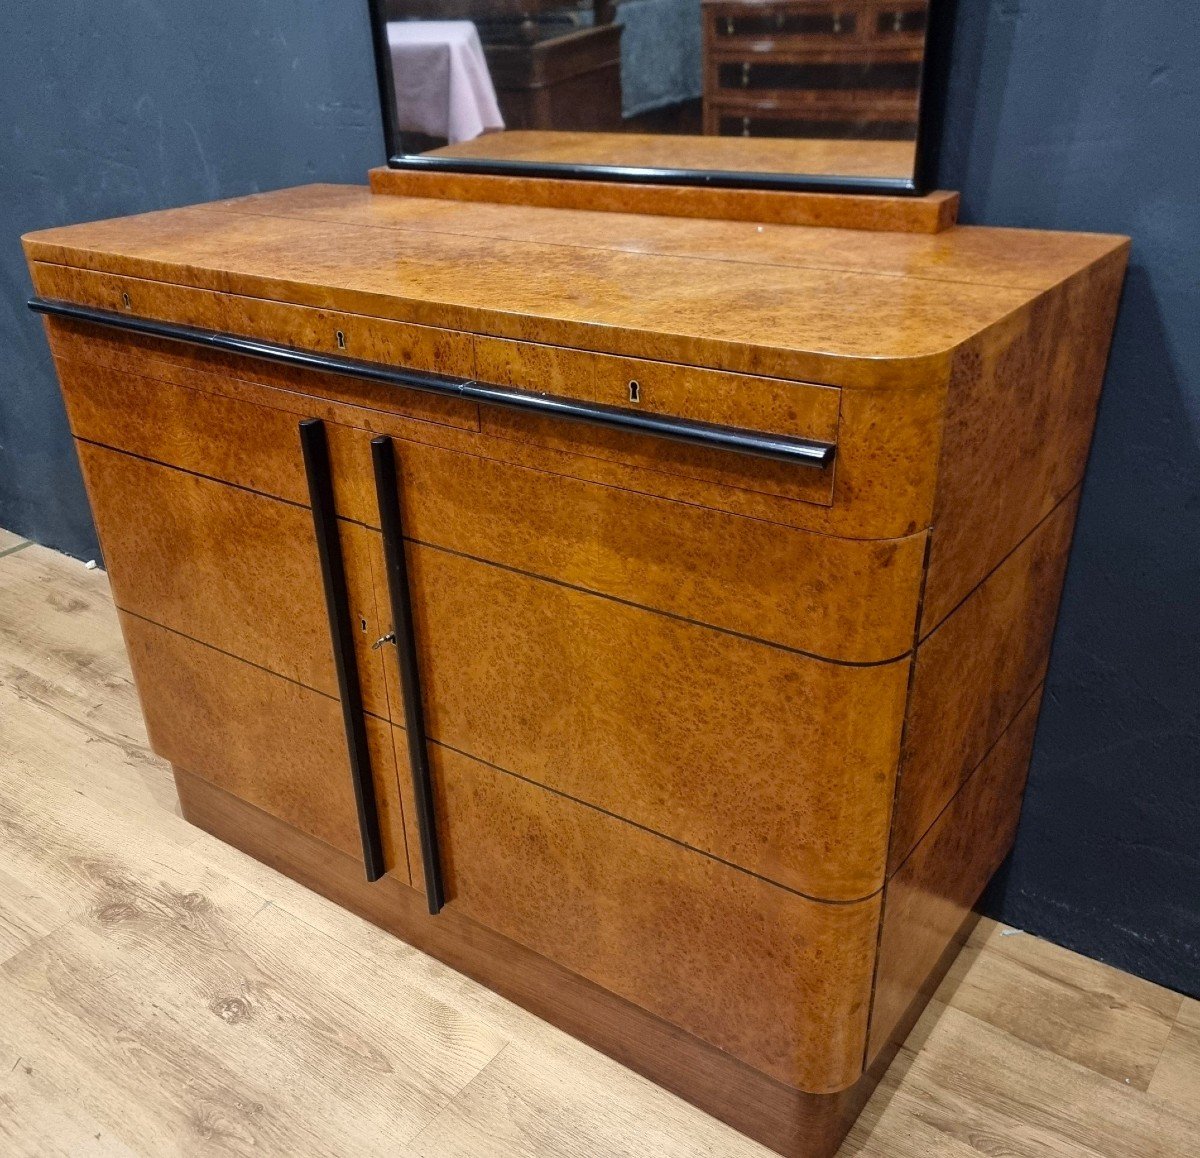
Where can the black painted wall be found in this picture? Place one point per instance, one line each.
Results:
(1074, 116)
(1086, 115)
(129, 105)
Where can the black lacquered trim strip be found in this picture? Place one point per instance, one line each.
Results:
(780, 447)
(387, 488)
(337, 603)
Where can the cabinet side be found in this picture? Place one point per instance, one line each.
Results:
(1019, 418)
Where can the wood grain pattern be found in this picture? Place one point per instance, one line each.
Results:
(1089, 1013)
(930, 896)
(842, 158)
(931, 214)
(778, 981)
(1021, 405)
(974, 673)
(777, 763)
(792, 408)
(790, 322)
(273, 743)
(81, 797)
(620, 639)
(393, 343)
(1176, 1078)
(790, 1122)
(231, 568)
(1029, 259)
(840, 598)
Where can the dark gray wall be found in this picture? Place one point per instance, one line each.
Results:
(1086, 115)
(1074, 116)
(128, 105)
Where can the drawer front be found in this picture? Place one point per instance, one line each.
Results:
(792, 408)
(780, 981)
(304, 327)
(880, 486)
(270, 742)
(845, 599)
(233, 569)
(778, 763)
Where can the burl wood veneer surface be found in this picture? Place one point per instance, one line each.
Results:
(847, 158)
(866, 211)
(780, 764)
(116, 915)
(975, 671)
(842, 599)
(779, 981)
(931, 894)
(843, 323)
(287, 756)
(230, 568)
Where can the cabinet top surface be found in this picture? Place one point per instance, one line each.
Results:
(586, 279)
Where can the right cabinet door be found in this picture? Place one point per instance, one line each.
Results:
(690, 816)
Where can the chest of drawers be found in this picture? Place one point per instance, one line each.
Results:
(646, 616)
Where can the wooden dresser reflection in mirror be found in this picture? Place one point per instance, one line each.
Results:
(637, 596)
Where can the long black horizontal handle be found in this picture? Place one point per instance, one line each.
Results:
(781, 447)
(315, 448)
(387, 489)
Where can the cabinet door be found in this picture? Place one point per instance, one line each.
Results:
(234, 569)
(271, 742)
(273, 690)
(762, 757)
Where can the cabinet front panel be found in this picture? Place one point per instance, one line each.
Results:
(793, 408)
(838, 598)
(781, 982)
(230, 568)
(270, 742)
(322, 331)
(781, 764)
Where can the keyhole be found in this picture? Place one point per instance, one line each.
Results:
(635, 391)
(341, 340)
(126, 302)
(362, 623)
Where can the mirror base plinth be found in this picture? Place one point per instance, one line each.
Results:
(932, 213)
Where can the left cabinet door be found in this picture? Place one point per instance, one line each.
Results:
(224, 612)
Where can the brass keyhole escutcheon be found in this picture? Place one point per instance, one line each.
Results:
(635, 391)
(341, 340)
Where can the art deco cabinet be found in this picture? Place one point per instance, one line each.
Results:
(645, 613)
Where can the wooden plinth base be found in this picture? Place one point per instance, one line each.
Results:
(932, 213)
(791, 1122)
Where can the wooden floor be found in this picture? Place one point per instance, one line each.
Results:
(161, 993)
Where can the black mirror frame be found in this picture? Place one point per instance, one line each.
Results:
(934, 83)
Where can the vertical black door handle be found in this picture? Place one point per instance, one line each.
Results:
(315, 447)
(387, 488)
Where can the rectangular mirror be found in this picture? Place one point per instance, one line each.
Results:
(824, 95)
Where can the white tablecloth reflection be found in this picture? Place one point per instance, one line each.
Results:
(443, 88)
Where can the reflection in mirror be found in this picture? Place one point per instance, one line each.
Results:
(825, 88)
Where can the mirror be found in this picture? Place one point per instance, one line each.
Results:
(827, 95)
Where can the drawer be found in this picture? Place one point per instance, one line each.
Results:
(775, 762)
(304, 327)
(270, 742)
(233, 569)
(791, 408)
(846, 599)
(779, 981)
